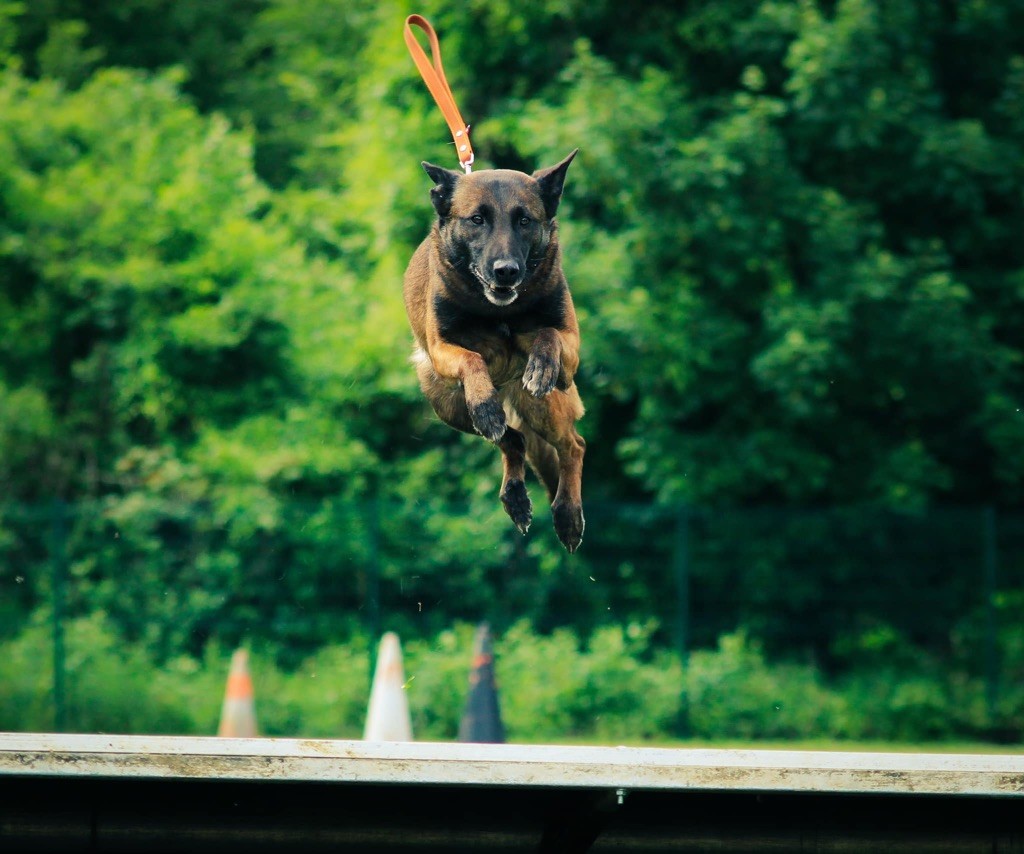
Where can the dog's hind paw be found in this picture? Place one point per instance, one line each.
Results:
(489, 418)
(541, 374)
(569, 524)
(517, 504)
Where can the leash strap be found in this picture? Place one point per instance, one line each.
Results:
(437, 83)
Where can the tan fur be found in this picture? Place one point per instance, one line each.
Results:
(510, 382)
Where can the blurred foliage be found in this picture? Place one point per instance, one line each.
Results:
(839, 624)
(551, 688)
(793, 235)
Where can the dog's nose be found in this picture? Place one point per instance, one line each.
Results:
(506, 273)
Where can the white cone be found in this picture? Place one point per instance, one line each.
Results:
(387, 718)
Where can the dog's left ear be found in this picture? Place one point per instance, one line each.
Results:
(551, 181)
(441, 193)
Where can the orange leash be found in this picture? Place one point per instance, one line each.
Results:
(437, 83)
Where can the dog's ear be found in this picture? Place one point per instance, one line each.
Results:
(444, 185)
(551, 181)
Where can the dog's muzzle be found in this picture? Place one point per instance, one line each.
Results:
(501, 286)
(499, 295)
(506, 276)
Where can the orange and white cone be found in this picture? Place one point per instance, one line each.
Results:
(238, 714)
(387, 718)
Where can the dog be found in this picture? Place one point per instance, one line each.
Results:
(497, 339)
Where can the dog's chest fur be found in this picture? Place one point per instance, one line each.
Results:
(502, 336)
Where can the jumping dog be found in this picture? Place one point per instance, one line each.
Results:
(497, 340)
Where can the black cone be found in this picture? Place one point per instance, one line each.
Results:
(482, 719)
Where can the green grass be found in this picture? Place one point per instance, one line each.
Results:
(832, 745)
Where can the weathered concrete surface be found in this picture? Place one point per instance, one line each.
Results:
(170, 794)
(510, 765)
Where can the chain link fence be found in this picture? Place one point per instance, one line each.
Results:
(833, 587)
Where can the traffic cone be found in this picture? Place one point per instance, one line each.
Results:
(387, 718)
(238, 714)
(482, 719)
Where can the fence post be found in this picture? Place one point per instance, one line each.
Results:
(681, 573)
(372, 516)
(58, 569)
(991, 560)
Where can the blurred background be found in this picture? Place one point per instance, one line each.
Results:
(795, 238)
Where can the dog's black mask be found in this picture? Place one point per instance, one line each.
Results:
(496, 225)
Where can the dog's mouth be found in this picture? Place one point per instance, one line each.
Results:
(494, 293)
(500, 295)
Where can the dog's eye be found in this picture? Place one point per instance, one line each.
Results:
(525, 220)
(476, 219)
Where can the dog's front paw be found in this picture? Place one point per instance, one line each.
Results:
(541, 373)
(489, 418)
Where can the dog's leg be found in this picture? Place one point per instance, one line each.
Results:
(553, 417)
(567, 508)
(554, 358)
(451, 362)
(449, 403)
(513, 483)
(543, 459)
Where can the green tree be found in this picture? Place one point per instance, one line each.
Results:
(792, 234)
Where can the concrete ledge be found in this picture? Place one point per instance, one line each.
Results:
(171, 794)
(173, 757)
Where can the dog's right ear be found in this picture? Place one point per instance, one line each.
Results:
(444, 185)
(551, 181)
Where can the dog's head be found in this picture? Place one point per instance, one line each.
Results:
(496, 225)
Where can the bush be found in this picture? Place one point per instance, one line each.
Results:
(437, 680)
(629, 691)
(550, 687)
(615, 687)
(324, 697)
(26, 680)
(109, 686)
(734, 693)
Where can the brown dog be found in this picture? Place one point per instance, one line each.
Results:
(497, 341)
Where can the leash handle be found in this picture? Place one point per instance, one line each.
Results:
(437, 83)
